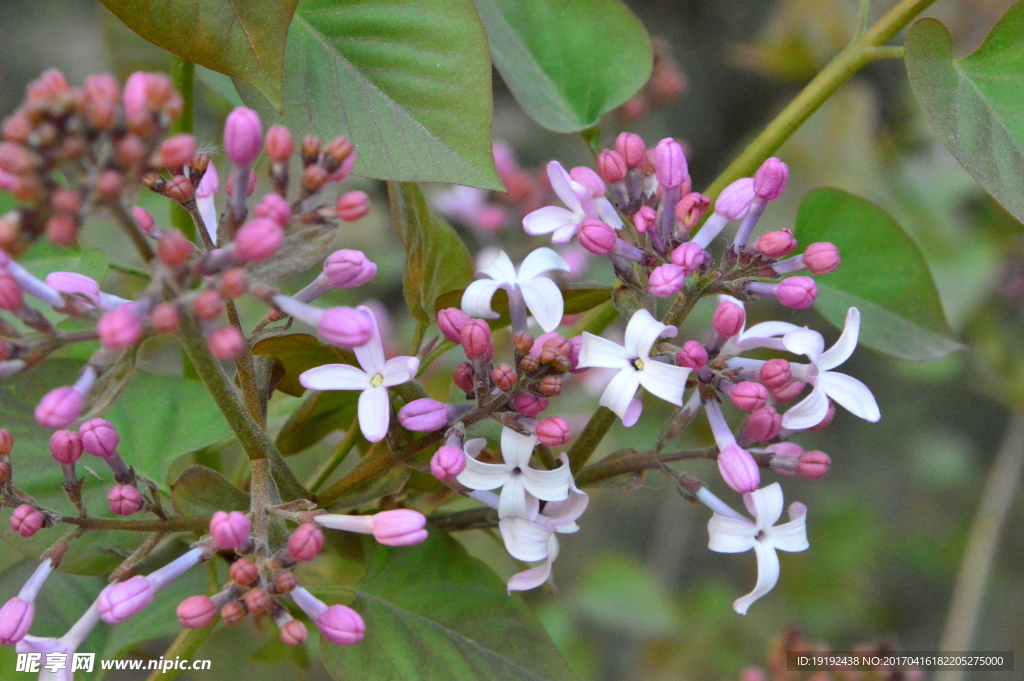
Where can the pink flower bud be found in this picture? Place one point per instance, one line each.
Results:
(632, 149)
(124, 500)
(75, 284)
(670, 163)
(597, 237)
(788, 392)
(230, 530)
(611, 166)
(59, 408)
(644, 218)
(728, 319)
(66, 446)
(6, 442)
(294, 633)
(120, 328)
(273, 207)
(476, 339)
(100, 438)
(735, 199)
(813, 464)
(306, 542)
(134, 96)
(243, 135)
(279, 143)
(797, 293)
(776, 244)
(504, 377)
(825, 422)
(770, 179)
(528, 404)
(226, 343)
(346, 327)
(11, 295)
(822, 258)
(447, 462)
(589, 179)
(693, 355)
(196, 612)
(763, 424)
(424, 415)
(690, 256)
(341, 624)
(400, 527)
(749, 396)
(463, 377)
(775, 373)
(118, 602)
(258, 239)
(26, 520)
(738, 469)
(348, 268)
(177, 151)
(554, 431)
(451, 320)
(352, 206)
(15, 620)
(666, 280)
(691, 209)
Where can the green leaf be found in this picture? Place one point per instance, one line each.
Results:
(437, 261)
(408, 82)
(242, 38)
(976, 104)
(300, 251)
(321, 413)
(577, 299)
(203, 491)
(568, 62)
(297, 352)
(433, 613)
(619, 593)
(883, 274)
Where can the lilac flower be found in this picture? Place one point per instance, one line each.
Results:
(562, 223)
(540, 294)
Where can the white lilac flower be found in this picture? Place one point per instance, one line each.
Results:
(541, 295)
(521, 486)
(373, 379)
(846, 390)
(730, 532)
(563, 223)
(636, 368)
(63, 648)
(763, 335)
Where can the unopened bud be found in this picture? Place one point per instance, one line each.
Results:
(749, 396)
(666, 280)
(400, 527)
(529, 405)
(257, 240)
(174, 249)
(589, 179)
(66, 446)
(243, 134)
(523, 341)
(226, 343)
(11, 295)
(776, 244)
(257, 601)
(6, 442)
(476, 340)
(279, 143)
(234, 282)
(451, 320)
(788, 392)
(775, 373)
(306, 542)
(597, 237)
(632, 149)
(738, 469)
(463, 377)
(196, 612)
(822, 258)
(611, 166)
(763, 424)
(230, 530)
(100, 437)
(233, 613)
(336, 152)
(770, 179)
(728, 319)
(693, 355)
(342, 625)
(165, 318)
(554, 431)
(124, 500)
(243, 572)
(120, 328)
(62, 230)
(26, 520)
(504, 377)
(108, 186)
(825, 422)
(735, 199)
(551, 386)
(284, 582)
(644, 218)
(177, 151)
(797, 293)
(294, 633)
(447, 462)
(424, 415)
(313, 179)
(670, 163)
(348, 268)
(310, 149)
(143, 219)
(275, 208)
(813, 464)
(59, 408)
(352, 206)
(208, 305)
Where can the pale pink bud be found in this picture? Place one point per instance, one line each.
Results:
(243, 134)
(589, 179)
(691, 209)
(825, 422)
(451, 320)
(424, 415)
(400, 527)
(611, 166)
(59, 408)
(124, 500)
(813, 464)
(644, 218)
(693, 355)
(728, 319)
(66, 446)
(738, 469)
(690, 256)
(118, 602)
(476, 339)
(632, 149)
(178, 150)
(735, 199)
(749, 396)
(230, 530)
(776, 244)
(11, 295)
(352, 206)
(775, 373)
(348, 268)
(341, 624)
(120, 328)
(15, 620)
(99, 437)
(226, 343)
(306, 542)
(196, 612)
(528, 404)
(26, 520)
(770, 179)
(666, 280)
(258, 239)
(822, 258)
(554, 431)
(670, 163)
(345, 327)
(275, 208)
(174, 249)
(797, 293)
(597, 237)
(279, 143)
(75, 284)
(447, 462)
(788, 392)
(294, 633)
(134, 96)
(763, 424)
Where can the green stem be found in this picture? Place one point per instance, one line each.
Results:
(634, 462)
(183, 77)
(180, 523)
(845, 64)
(685, 302)
(184, 646)
(598, 426)
(442, 348)
(337, 456)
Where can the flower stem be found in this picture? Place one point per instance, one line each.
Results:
(179, 523)
(337, 456)
(132, 229)
(631, 461)
(183, 77)
(595, 430)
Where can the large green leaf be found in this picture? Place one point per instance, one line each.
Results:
(976, 104)
(883, 274)
(568, 62)
(321, 413)
(408, 81)
(297, 352)
(242, 38)
(433, 613)
(437, 260)
(203, 491)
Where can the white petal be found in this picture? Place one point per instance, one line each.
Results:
(596, 351)
(529, 579)
(501, 269)
(479, 475)
(374, 413)
(544, 301)
(808, 412)
(208, 211)
(730, 535)
(565, 233)
(791, 536)
(516, 448)
(474, 447)
(371, 355)
(523, 539)
(583, 195)
(632, 413)
(767, 576)
(620, 392)
(847, 343)
(538, 262)
(606, 213)
(399, 370)
(476, 300)
(641, 332)
(805, 342)
(664, 380)
(547, 219)
(559, 515)
(561, 183)
(765, 505)
(850, 393)
(547, 485)
(335, 377)
(513, 499)
(769, 330)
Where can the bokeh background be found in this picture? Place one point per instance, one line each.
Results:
(639, 595)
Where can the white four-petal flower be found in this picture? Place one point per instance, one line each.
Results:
(730, 532)
(563, 223)
(374, 379)
(763, 335)
(636, 368)
(541, 295)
